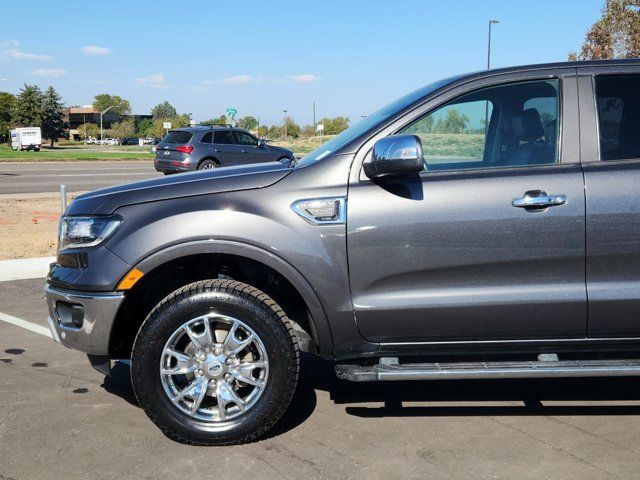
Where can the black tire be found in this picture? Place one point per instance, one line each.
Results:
(168, 173)
(255, 309)
(207, 165)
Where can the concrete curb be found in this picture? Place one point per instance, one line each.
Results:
(24, 268)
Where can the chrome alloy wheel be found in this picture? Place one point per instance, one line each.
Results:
(208, 166)
(214, 368)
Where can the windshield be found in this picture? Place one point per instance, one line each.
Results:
(369, 122)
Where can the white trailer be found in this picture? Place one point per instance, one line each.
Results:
(26, 138)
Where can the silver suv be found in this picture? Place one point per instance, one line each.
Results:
(204, 148)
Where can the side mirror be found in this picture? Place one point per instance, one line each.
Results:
(395, 155)
(262, 142)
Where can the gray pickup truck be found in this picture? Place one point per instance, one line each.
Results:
(484, 226)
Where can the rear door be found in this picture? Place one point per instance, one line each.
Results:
(455, 254)
(610, 133)
(223, 148)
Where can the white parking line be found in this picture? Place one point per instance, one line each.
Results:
(18, 322)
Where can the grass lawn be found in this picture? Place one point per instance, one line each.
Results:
(302, 146)
(71, 153)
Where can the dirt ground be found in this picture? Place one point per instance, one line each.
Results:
(29, 225)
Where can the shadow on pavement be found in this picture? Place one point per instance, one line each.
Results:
(318, 374)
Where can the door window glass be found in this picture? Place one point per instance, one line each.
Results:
(206, 138)
(508, 125)
(222, 137)
(618, 102)
(243, 138)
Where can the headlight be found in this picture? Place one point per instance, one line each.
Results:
(79, 232)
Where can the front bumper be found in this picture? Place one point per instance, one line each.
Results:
(99, 313)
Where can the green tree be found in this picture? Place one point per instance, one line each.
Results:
(7, 104)
(87, 130)
(118, 105)
(293, 129)
(308, 131)
(275, 131)
(52, 116)
(453, 122)
(333, 126)
(221, 120)
(28, 107)
(163, 110)
(248, 122)
(143, 127)
(615, 35)
(123, 129)
(263, 131)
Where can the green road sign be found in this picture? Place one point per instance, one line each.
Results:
(232, 112)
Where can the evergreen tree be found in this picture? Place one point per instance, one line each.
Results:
(163, 110)
(28, 107)
(7, 105)
(52, 116)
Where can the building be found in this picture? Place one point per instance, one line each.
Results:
(76, 116)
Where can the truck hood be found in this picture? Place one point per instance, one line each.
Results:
(219, 180)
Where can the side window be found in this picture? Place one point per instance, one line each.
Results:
(508, 125)
(243, 138)
(222, 137)
(618, 103)
(206, 138)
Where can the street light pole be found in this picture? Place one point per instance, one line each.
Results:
(486, 103)
(285, 123)
(102, 113)
(491, 22)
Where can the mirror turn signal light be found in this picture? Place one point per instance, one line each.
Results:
(130, 280)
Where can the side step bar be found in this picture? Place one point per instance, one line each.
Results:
(390, 370)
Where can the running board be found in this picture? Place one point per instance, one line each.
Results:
(390, 370)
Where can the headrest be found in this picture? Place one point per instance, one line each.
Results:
(527, 126)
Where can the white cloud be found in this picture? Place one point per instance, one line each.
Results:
(235, 80)
(95, 50)
(156, 80)
(20, 55)
(50, 72)
(304, 78)
(9, 43)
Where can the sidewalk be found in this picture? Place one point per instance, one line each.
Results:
(24, 268)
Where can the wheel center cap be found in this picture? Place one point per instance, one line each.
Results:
(215, 368)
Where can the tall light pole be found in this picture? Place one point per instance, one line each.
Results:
(102, 113)
(486, 103)
(491, 22)
(285, 123)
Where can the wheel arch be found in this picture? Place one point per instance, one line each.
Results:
(213, 159)
(201, 253)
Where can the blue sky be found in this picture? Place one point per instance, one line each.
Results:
(350, 57)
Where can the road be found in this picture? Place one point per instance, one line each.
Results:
(61, 419)
(78, 176)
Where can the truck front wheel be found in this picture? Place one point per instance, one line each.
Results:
(215, 363)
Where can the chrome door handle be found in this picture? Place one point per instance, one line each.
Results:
(245, 151)
(216, 150)
(539, 199)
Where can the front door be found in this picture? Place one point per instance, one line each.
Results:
(488, 243)
(248, 150)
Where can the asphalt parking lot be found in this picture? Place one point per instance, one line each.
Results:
(61, 419)
(78, 176)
